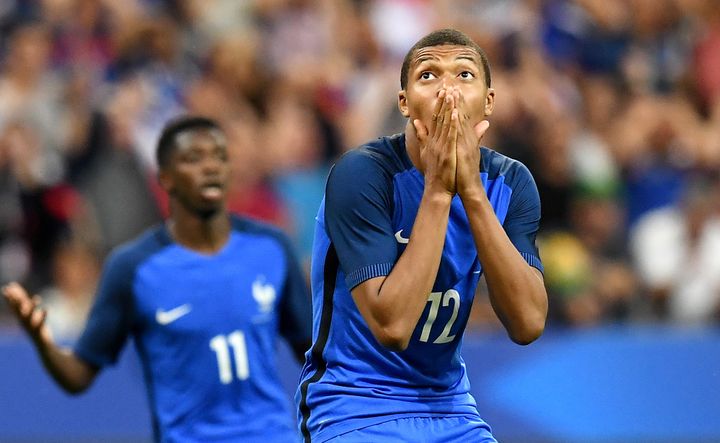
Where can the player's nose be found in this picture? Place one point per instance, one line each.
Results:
(211, 165)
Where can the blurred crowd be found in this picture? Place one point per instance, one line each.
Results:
(614, 105)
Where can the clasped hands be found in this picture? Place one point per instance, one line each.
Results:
(450, 146)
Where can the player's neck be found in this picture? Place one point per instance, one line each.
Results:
(201, 234)
(412, 146)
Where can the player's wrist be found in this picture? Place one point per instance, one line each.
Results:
(43, 346)
(43, 341)
(473, 193)
(438, 195)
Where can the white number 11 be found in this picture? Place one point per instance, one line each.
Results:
(236, 341)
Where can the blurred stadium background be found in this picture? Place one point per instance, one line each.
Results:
(613, 104)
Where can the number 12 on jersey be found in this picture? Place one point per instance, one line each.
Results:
(222, 345)
(435, 298)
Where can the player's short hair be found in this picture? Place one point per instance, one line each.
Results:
(440, 37)
(166, 143)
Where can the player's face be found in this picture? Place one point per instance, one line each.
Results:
(436, 67)
(199, 170)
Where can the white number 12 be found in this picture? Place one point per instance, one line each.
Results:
(221, 344)
(434, 300)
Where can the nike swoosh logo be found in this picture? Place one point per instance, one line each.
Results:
(400, 238)
(167, 317)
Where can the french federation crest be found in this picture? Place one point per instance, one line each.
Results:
(264, 294)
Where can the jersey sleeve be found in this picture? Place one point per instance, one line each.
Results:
(295, 305)
(523, 218)
(358, 217)
(110, 319)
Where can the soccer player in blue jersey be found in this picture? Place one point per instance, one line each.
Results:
(407, 225)
(204, 297)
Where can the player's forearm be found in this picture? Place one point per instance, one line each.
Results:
(516, 289)
(71, 373)
(403, 295)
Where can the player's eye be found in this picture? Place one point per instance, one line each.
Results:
(191, 157)
(466, 75)
(427, 75)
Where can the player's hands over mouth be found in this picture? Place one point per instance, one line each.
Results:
(468, 150)
(438, 144)
(28, 311)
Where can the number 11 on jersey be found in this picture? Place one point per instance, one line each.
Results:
(222, 345)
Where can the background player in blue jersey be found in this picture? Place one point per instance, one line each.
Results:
(203, 296)
(407, 225)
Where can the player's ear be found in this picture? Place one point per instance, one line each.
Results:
(402, 104)
(165, 180)
(489, 101)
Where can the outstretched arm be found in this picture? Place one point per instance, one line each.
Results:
(73, 374)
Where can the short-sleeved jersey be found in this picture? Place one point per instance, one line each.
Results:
(371, 200)
(205, 328)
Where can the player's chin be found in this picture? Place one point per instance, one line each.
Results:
(207, 209)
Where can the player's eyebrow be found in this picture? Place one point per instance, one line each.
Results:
(430, 57)
(470, 58)
(424, 58)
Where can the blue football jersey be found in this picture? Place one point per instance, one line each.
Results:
(365, 220)
(205, 328)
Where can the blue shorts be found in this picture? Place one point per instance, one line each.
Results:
(421, 430)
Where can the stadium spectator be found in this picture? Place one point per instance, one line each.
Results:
(675, 251)
(68, 300)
